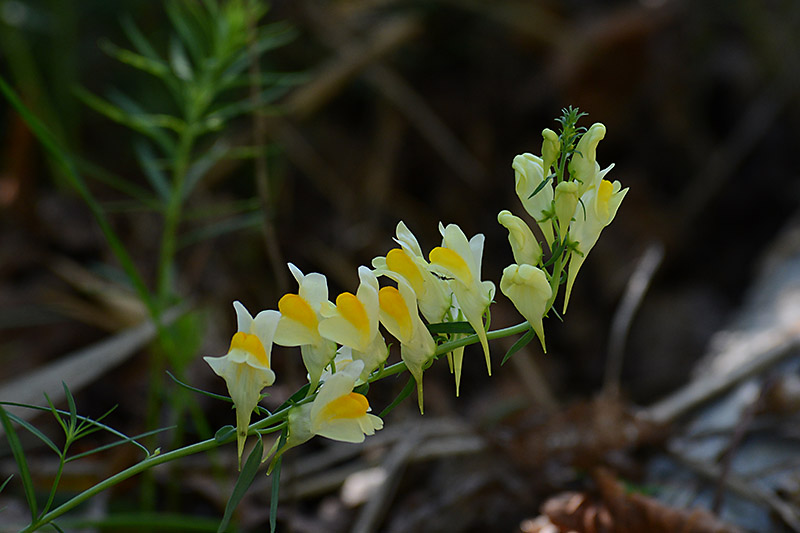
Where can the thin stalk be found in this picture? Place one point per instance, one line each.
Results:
(57, 479)
(172, 215)
(278, 417)
(144, 465)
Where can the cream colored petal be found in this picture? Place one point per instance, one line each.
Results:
(243, 317)
(264, 325)
(407, 240)
(293, 333)
(529, 290)
(314, 290)
(316, 357)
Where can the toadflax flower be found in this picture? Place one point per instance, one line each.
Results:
(400, 317)
(353, 322)
(529, 175)
(525, 247)
(432, 293)
(583, 166)
(528, 289)
(299, 323)
(460, 260)
(337, 412)
(246, 367)
(600, 208)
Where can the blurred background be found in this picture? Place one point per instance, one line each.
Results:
(344, 118)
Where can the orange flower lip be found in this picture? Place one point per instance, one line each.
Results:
(251, 344)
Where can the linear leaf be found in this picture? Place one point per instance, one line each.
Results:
(68, 166)
(246, 477)
(33, 429)
(407, 390)
(451, 327)
(179, 61)
(276, 485)
(156, 67)
(152, 169)
(22, 462)
(521, 343)
(150, 125)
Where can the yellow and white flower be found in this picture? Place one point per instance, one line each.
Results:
(583, 165)
(566, 201)
(400, 317)
(246, 368)
(551, 148)
(460, 261)
(525, 247)
(528, 289)
(336, 413)
(432, 293)
(299, 323)
(529, 174)
(600, 208)
(353, 322)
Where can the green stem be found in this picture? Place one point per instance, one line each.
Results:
(57, 479)
(172, 215)
(555, 278)
(277, 417)
(449, 346)
(140, 467)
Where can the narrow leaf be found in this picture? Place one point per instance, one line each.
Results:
(138, 39)
(30, 427)
(199, 391)
(3, 486)
(152, 169)
(73, 410)
(521, 343)
(22, 463)
(178, 60)
(451, 327)
(407, 390)
(224, 434)
(156, 67)
(276, 485)
(246, 477)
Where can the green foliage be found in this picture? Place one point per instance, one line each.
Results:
(246, 477)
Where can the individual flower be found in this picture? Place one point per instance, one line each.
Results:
(551, 147)
(583, 166)
(460, 260)
(566, 201)
(432, 293)
(400, 317)
(336, 413)
(528, 289)
(353, 322)
(299, 323)
(524, 245)
(246, 367)
(600, 208)
(536, 196)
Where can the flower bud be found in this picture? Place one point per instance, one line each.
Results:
(551, 146)
(524, 245)
(566, 200)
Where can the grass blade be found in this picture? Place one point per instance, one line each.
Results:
(246, 477)
(22, 462)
